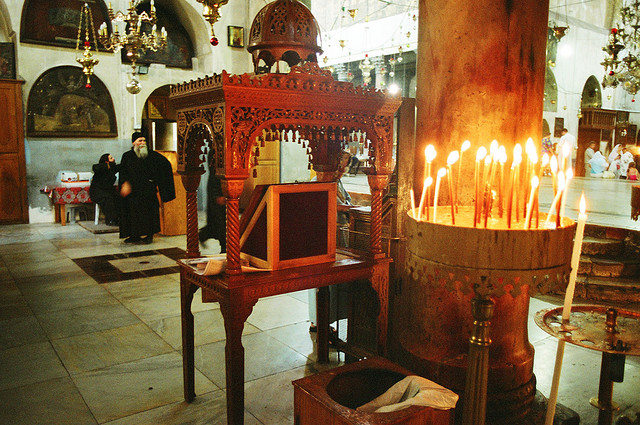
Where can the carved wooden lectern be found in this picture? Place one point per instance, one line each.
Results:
(231, 114)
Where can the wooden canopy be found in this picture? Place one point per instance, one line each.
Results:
(235, 114)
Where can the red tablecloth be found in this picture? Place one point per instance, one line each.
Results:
(68, 195)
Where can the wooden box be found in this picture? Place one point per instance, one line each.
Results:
(331, 397)
(289, 225)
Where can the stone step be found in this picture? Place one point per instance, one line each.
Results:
(606, 267)
(620, 290)
(605, 232)
(602, 247)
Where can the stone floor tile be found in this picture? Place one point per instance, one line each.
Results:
(56, 401)
(40, 360)
(206, 409)
(126, 389)
(97, 317)
(208, 328)
(68, 298)
(97, 350)
(274, 312)
(264, 356)
(20, 331)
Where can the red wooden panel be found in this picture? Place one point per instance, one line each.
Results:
(10, 200)
(8, 130)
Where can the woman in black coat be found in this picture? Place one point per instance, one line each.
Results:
(102, 190)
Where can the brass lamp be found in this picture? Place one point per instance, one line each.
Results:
(87, 60)
(211, 13)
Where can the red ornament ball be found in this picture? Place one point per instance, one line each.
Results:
(87, 44)
(87, 86)
(633, 100)
(611, 72)
(614, 30)
(214, 41)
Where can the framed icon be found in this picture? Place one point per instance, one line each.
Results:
(235, 36)
(7, 61)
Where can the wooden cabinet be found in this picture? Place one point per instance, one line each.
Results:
(13, 175)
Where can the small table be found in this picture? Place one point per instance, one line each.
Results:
(238, 294)
(65, 195)
(614, 332)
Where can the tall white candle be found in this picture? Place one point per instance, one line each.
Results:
(567, 176)
(566, 311)
(556, 199)
(426, 184)
(534, 186)
(441, 173)
(413, 203)
(575, 260)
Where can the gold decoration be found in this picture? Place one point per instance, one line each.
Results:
(211, 13)
(87, 60)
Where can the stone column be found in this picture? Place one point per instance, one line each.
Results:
(480, 75)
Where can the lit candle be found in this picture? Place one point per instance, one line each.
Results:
(512, 183)
(517, 153)
(441, 173)
(534, 185)
(575, 260)
(563, 200)
(566, 156)
(566, 311)
(429, 156)
(556, 199)
(465, 146)
(482, 152)
(485, 184)
(413, 203)
(502, 158)
(451, 159)
(425, 185)
(553, 164)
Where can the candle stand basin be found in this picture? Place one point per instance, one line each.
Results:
(445, 266)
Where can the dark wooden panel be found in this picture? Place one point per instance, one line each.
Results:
(8, 131)
(10, 200)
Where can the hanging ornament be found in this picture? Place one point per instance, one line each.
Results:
(342, 43)
(87, 60)
(353, 13)
(325, 59)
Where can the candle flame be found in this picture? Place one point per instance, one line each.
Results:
(569, 174)
(442, 172)
(553, 163)
(453, 157)
(583, 204)
(517, 150)
(561, 181)
(533, 157)
(502, 154)
(530, 147)
(493, 148)
(545, 159)
(535, 182)
(430, 153)
(482, 152)
(487, 160)
(428, 181)
(465, 145)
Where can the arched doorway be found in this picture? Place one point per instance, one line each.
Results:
(591, 94)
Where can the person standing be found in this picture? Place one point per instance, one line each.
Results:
(588, 154)
(143, 173)
(570, 140)
(102, 190)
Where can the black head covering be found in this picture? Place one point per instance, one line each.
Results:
(104, 158)
(136, 135)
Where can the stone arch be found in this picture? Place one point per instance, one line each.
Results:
(591, 94)
(6, 31)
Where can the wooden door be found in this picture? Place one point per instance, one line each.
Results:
(13, 180)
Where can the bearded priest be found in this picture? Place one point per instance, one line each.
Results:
(143, 173)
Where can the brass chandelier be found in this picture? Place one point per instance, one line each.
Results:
(88, 61)
(621, 64)
(211, 13)
(132, 39)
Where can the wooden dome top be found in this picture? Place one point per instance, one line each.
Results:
(284, 30)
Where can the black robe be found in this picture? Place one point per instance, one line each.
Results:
(140, 210)
(103, 192)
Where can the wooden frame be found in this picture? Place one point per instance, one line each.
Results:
(235, 36)
(315, 221)
(7, 61)
(59, 105)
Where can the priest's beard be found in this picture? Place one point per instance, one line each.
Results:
(141, 151)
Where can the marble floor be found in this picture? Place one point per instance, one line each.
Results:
(90, 334)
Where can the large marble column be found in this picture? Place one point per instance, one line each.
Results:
(480, 71)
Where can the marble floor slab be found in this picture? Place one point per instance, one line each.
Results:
(97, 350)
(129, 388)
(28, 364)
(20, 331)
(145, 262)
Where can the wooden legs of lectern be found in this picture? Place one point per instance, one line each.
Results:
(190, 183)
(188, 364)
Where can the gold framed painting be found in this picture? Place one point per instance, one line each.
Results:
(235, 36)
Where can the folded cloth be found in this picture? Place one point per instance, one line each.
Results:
(412, 390)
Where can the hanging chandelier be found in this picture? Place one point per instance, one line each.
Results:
(87, 60)
(211, 13)
(366, 66)
(621, 64)
(132, 39)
